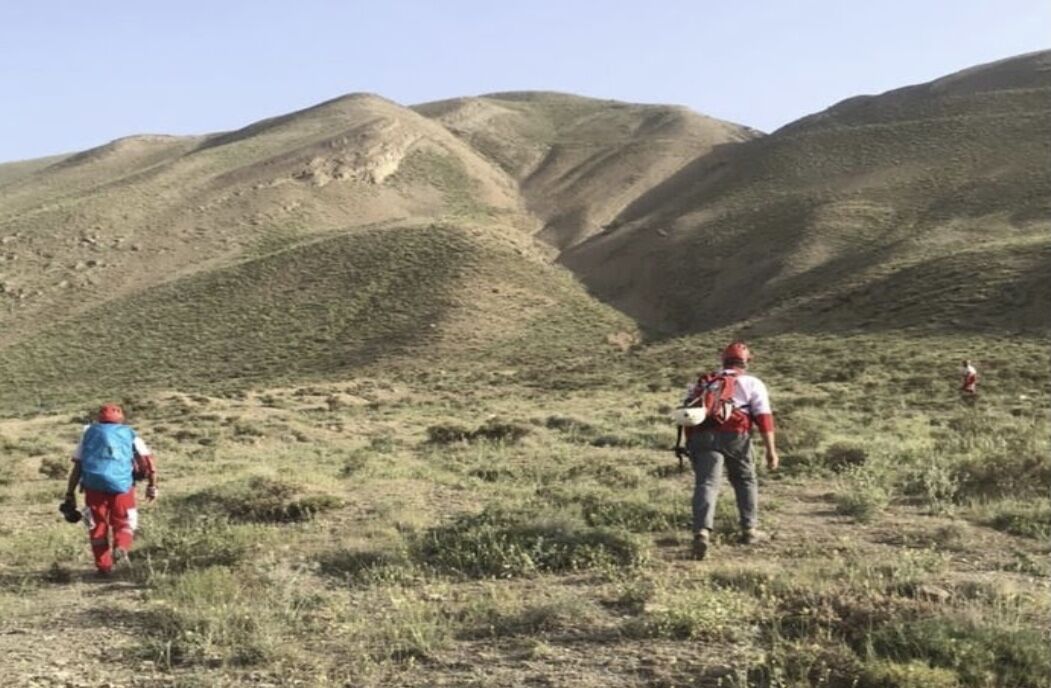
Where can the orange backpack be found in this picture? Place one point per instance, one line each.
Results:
(714, 392)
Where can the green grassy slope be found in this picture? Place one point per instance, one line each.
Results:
(889, 198)
(419, 295)
(580, 161)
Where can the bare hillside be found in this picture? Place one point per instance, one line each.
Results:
(581, 161)
(925, 206)
(140, 211)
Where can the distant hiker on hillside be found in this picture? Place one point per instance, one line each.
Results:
(969, 381)
(718, 414)
(108, 460)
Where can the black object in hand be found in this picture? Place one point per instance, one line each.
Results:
(70, 511)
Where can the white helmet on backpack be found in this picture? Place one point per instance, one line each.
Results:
(689, 416)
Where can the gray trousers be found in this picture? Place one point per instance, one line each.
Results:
(709, 453)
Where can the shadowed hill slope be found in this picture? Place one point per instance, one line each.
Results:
(580, 161)
(410, 296)
(929, 204)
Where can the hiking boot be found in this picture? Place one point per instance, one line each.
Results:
(701, 539)
(752, 536)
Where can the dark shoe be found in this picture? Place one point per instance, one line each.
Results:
(701, 540)
(752, 536)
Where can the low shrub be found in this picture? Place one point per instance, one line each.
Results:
(639, 515)
(1004, 475)
(211, 616)
(841, 456)
(914, 674)
(504, 433)
(355, 462)
(862, 497)
(448, 433)
(55, 469)
(501, 544)
(1024, 519)
(980, 655)
(175, 545)
(8, 470)
(550, 616)
(492, 431)
(705, 613)
(366, 567)
(259, 500)
(568, 425)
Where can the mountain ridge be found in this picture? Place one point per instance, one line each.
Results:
(863, 216)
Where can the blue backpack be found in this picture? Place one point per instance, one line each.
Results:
(107, 452)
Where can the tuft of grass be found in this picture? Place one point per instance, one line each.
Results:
(493, 616)
(491, 431)
(502, 544)
(636, 513)
(367, 567)
(912, 674)
(55, 469)
(216, 616)
(1022, 518)
(980, 654)
(702, 613)
(259, 500)
(842, 457)
(181, 543)
(862, 496)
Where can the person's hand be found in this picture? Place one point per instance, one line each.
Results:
(772, 459)
(151, 493)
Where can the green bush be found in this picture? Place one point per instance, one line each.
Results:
(355, 462)
(568, 425)
(638, 514)
(366, 567)
(258, 499)
(862, 496)
(981, 655)
(448, 433)
(210, 616)
(1025, 519)
(914, 674)
(178, 544)
(500, 544)
(9, 466)
(55, 469)
(492, 431)
(705, 613)
(550, 616)
(842, 457)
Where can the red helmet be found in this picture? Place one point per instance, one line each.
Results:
(111, 413)
(737, 351)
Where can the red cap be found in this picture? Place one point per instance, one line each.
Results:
(111, 413)
(738, 351)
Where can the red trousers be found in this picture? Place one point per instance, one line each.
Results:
(110, 511)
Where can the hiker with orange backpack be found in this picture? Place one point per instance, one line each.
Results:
(108, 460)
(717, 416)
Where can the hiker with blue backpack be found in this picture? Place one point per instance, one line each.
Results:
(108, 460)
(717, 416)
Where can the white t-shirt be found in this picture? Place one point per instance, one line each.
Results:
(750, 394)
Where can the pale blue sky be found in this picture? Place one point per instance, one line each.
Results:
(74, 74)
